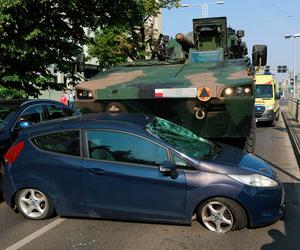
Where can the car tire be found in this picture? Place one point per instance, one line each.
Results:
(222, 215)
(34, 204)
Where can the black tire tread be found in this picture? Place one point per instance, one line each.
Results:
(250, 140)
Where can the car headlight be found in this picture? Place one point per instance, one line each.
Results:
(255, 180)
(269, 107)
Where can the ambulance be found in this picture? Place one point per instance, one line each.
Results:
(266, 107)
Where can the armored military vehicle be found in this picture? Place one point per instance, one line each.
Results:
(202, 81)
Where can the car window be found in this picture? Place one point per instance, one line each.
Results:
(181, 163)
(6, 111)
(122, 147)
(34, 114)
(57, 111)
(64, 142)
(263, 91)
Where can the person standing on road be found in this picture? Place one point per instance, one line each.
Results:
(63, 98)
(71, 98)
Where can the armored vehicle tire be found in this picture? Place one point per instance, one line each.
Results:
(33, 204)
(222, 215)
(259, 55)
(115, 107)
(250, 140)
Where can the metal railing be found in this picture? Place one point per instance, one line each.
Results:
(294, 108)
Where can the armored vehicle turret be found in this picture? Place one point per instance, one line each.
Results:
(202, 80)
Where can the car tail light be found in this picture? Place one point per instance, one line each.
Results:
(14, 151)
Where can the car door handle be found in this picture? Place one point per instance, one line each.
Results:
(97, 171)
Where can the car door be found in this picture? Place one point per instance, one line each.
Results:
(57, 164)
(120, 177)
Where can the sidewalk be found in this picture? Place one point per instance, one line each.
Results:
(293, 128)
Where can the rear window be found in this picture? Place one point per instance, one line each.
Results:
(5, 112)
(64, 142)
(56, 111)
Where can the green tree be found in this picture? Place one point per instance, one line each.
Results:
(115, 44)
(9, 93)
(35, 34)
(110, 46)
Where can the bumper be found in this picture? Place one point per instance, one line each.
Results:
(8, 187)
(266, 116)
(266, 206)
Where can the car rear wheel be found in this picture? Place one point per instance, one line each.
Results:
(34, 204)
(222, 215)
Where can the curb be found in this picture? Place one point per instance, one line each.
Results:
(293, 138)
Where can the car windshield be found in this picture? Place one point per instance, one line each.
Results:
(182, 139)
(5, 112)
(264, 91)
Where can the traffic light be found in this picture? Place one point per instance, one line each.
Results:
(80, 62)
(267, 70)
(282, 69)
(292, 81)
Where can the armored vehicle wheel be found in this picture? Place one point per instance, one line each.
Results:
(259, 55)
(250, 140)
(115, 107)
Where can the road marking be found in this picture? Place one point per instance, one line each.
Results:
(35, 235)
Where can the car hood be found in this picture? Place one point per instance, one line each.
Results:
(232, 159)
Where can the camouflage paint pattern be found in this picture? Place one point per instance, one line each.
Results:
(133, 88)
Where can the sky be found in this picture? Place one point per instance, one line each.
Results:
(264, 22)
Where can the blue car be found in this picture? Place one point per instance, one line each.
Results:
(138, 167)
(16, 114)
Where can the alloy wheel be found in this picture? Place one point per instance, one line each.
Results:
(217, 217)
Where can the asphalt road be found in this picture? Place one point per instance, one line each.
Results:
(76, 233)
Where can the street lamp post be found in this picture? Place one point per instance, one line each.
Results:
(294, 60)
(203, 5)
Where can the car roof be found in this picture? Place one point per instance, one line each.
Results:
(122, 121)
(23, 102)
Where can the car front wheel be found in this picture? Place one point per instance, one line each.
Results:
(33, 204)
(222, 215)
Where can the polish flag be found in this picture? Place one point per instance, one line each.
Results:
(159, 93)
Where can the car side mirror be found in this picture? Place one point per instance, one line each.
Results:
(277, 96)
(23, 124)
(168, 168)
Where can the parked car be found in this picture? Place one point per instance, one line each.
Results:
(139, 167)
(18, 114)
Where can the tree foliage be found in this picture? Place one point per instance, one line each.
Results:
(9, 93)
(35, 34)
(117, 43)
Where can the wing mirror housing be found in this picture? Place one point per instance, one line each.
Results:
(23, 124)
(168, 168)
